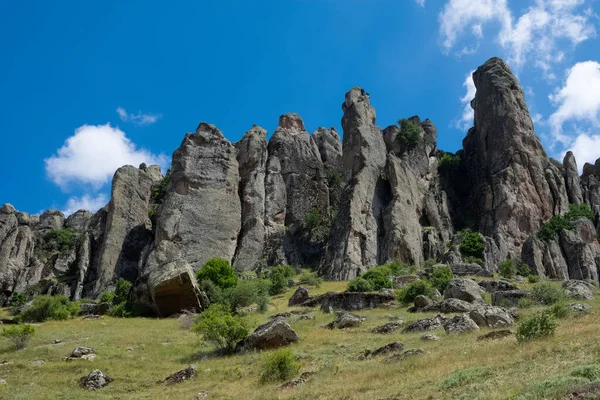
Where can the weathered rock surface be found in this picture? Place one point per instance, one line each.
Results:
(300, 296)
(462, 269)
(572, 182)
(459, 324)
(423, 325)
(271, 335)
(463, 289)
(492, 316)
(384, 350)
(95, 380)
(180, 376)
(494, 285)
(509, 298)
(387, 328)
(94, 308)
(354, 301)
(450, 306)
(345, 320)
(578, 290)
(496, 335)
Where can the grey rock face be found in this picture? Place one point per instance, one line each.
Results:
(330, 148)
(305, 186)
(494, 285)
(299, 296)
(494, 317)
(450, 306)
(351, 301)
(51, 219)
(459, 324)
(78, 221)
(275, 211)
(252, 159)
(345, 320)
(572, 181)
(581, 250)
(128, 228)
(356, 235)
(424, 325)
(201, 213)
(463, 289)
(506, 162)
(271, 335)
(463, 269)
(578, 290)
(95, 380)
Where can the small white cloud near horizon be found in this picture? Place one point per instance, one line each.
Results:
(92, 155)
(578, 100)
(466, 119)
(86, 202)
(139, 118)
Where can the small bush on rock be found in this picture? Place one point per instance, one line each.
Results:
(537, 326)
(107, 297)
(17, 299)
(19, 334)
(411, 290)
(507, 269)
(310, 279)
(409, 135)
(360, 284)
(547, 294)
(46, 307)
(449, 163)
(279, 365)
(398, 267)
(218, 326)
(441, 277)
(559, 310)
(219, 271)
(471, 244)
(378, 277)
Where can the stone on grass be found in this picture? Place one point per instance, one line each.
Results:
(509, 298)
(180, 376)
(345, 320)
(495, 285)
(387, 328)
(406, 354)
(429, 337)
(79, 353)
(271, 335)
(578, 290)
(495, 335)
(579, 308)
(95, 380)
(492, 316)
(424, 325)
(387, 349)
(461, 323)
(299, 296)
(297, 382)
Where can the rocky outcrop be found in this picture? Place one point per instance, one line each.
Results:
(353, 301)
(357, 230)
(463, 289)
(345, 320)
(508, 168)
(271, 335)
(252, 160)
(509, 298)
(459, 324)
(572, 182)
(494, 317)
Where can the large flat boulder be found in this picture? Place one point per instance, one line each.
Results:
(271, 335)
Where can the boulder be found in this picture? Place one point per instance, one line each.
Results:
(509, 298)
(252, 160)
(345, 320)
(354, 301)
(406, 354)
(180, 376)
(300, 296)
(424, 325)
(494, 285)
(429, 337)
(495, 335)
(578, 290)
(80, 352)
(271, 335)
(95, 380)
(450, 306)
(461, 323)
(492, 316)
(387, 349)
(463, 289)
(462, 269)
(421, 302)
(579, 308)
(387, 328)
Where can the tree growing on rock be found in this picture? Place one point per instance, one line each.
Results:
(219, 271)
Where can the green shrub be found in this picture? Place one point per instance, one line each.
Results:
(46, 307)
(533, 278)
(410, 134)
(547, 294)
(378, 277)
(19, 334)
(508, 269)
(312, 220)
(466, 376)
(122, 290)
(523, 269)
(559, 310)
(334, 179)
(61, 239)
(160, 189)
(286, 270)
(589, 371)
(441, 277)
(310, 279)
(580, 211)
(525, 302)
(219, 271)
(120, 310)
(360, 284)
(217, 326)
(549, 229)
(247, 293)
(107, 297)
(17, 299)
(279, 365)
(214, 293)
(411, 290)
(471, 244)
(398, 267)
(449, 163)
(537, 326)
(475, 260)
(278, 283)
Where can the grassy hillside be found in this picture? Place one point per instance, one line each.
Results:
(455, 367)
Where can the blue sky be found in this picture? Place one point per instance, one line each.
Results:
(88, 86)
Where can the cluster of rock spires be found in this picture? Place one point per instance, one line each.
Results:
(339, 207)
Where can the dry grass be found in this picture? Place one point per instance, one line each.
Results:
(494, 370)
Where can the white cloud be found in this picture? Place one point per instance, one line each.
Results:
(535, 35)
(466, 119)
(93, 154)
(586, 148)
(85, 202)
(578, 99)
(420, 2)
(139, 118)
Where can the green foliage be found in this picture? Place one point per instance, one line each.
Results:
(278, 283)
(247, 293)
(334, 179)
(533, 278)
(219, 271)
(120, 310)
(559, 310)
(107, 297)
(19, 334)
(508, 269)
(216, 325)
(46, 307)
(17, 299)
(313, 220)
(160, 189)
(410, 134)
(464, 377)
(547, 294)
(279, 365)
(398, 267)
(525, 302)
(475, 260)
(214, 293)
(360, 284)
(471, 244)
(557, 223)
(536, 326)
(61, 239)
(122, 291)
(523, 269)
(449, 163)
(310, 279)
(378, 277)
(441, 277)
(413, 289)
